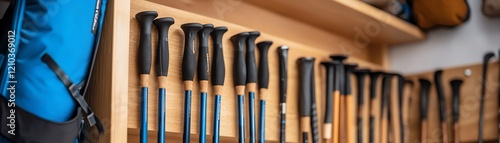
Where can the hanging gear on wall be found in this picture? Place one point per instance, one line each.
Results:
(45, 69)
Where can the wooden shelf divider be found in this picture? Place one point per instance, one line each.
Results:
(108, 88)
(470, 94)
(114, 92)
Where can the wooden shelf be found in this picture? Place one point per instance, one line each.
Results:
(265, 20)
(350, 18)
(469, 104)
(108, 90)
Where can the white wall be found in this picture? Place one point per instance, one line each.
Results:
(444, 47)
(447, 47)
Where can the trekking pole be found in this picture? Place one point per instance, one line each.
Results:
(283, 63)
(340, 131)
(329, 86)
(314, 111)
(362, 111)
(424, 97)
(385, 106)
(305, 72)
(486, 59)
(442, 103)
(251, 81)
(188, 69)
(374, 114)
(162, 24)
(240, 74)
(203, 70)
(455, 88)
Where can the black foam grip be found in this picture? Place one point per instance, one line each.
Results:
(486, 59)
(373, 84)
(455, 88)
(162, 55)
(189, 57)
(338, 58)
(313, 83)
(264, 63)
(371, 138)
(340, 73)
(283, 63)
(145, 54)
(314, 124)
(424, 97)
(440, 93)
(389, 109)
(239, 68)
(305, 137)
(305, 66)
(314, 111)
(360, 76)
(401, 83)
(360, 129)
(348, 69)
(409, 82)
(339, 78)
(283, 128)
(250, 57)
(336, 81)
(218, 65)
(145, 19)
(329, 67)
(203, 61)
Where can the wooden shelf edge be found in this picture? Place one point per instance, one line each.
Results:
(469, 103)
(345, 17)
(174, 108)
(373, 12)
(108, 92)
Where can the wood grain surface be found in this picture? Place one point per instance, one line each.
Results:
(108, 88)
(267, 19)
(469, 105)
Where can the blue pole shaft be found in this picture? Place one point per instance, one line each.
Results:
(241, 121)
(203, 117)
(216, 130)
(187, 117)
(161, 115)
(144, 115)
(283, 128)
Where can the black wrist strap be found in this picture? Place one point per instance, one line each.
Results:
(74, 91)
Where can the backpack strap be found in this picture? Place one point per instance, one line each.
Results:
(75, 92)
(82, 137)
(81, 84)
